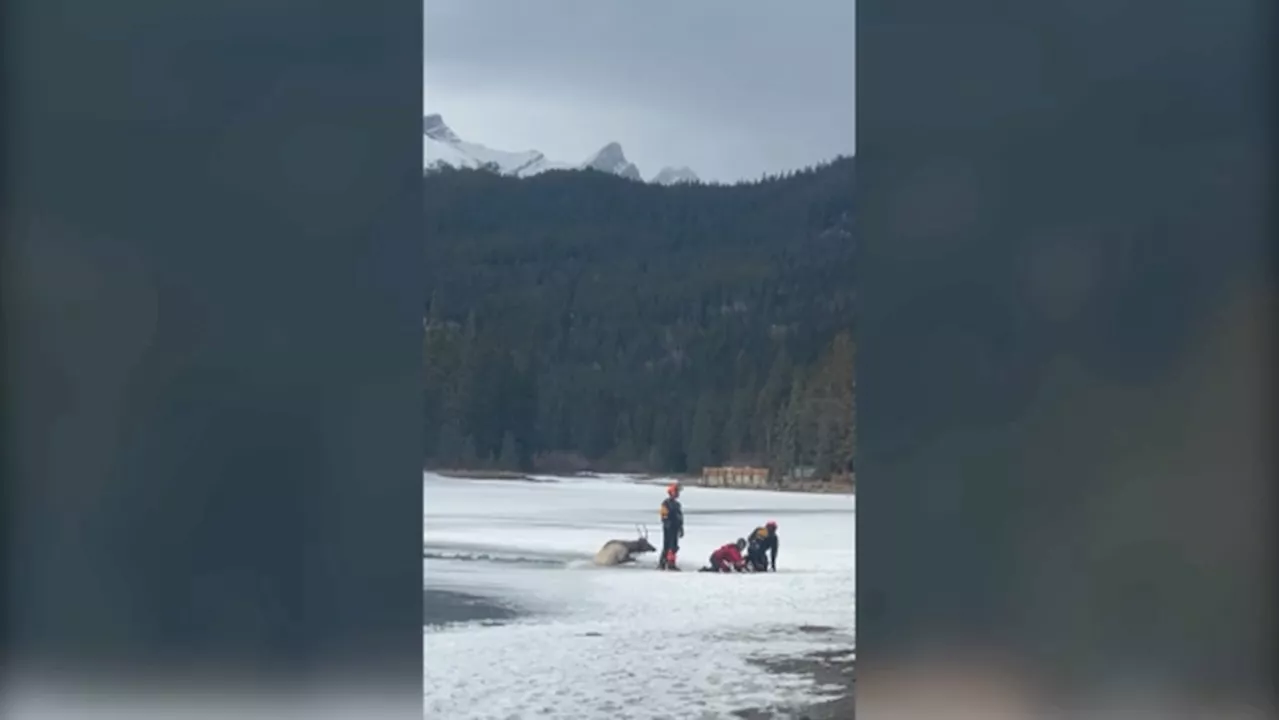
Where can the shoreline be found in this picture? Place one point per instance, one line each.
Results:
(642, 479)
(454, 474)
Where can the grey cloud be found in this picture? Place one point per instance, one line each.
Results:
(732, 89)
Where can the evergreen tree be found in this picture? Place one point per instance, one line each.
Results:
(702, 436)
(467, 455)
(772, 396)
(786, 447)
(737, 431)
(449, 447)
(624, 444)
(509, 458)
(603, 323)
(844, 421)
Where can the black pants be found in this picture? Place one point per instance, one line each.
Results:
(757, 559)
(670, 546)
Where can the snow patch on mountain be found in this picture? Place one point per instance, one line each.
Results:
(611, 159)
(442, 147)
(673, 176)
(433, 127)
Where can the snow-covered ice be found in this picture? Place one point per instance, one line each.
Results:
(626, 642)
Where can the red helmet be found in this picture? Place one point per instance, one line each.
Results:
(673, 489)
(771, 525)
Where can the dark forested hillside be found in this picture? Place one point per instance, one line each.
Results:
(578, 319)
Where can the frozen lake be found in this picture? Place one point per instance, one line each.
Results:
(588, 642)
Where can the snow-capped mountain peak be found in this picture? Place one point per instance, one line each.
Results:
(611, 159)
(441, 147)
(674, 175)
(433, 126)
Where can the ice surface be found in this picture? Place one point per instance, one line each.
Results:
(627, 642)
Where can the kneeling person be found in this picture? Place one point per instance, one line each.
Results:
(728, 558)
(763, 540)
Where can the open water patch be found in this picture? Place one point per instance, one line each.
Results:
(499, 555)
(484, 557)
(450, 607)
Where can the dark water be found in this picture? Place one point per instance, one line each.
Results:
(527, 560)
(446, 607)
(442, 607)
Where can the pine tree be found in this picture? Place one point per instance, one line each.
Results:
(624, 445)
(509, 457)
(773, 394)
(457, 401)
(786, 426)
(656, 459)
(449, 446)
(674, 454)
(435, 312)
(467, 455)
(842, 364)
(702, 436)
(737, 430)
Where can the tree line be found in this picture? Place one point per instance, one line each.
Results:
(580, 320)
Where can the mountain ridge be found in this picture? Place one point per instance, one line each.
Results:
(442, 147)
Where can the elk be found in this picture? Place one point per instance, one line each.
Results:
(619, 552)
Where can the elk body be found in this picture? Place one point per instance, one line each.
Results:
(620, 552)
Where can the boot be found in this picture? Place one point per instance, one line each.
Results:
(671, 560)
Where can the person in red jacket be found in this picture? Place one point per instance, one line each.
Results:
(728, 558)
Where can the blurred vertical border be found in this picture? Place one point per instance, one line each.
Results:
(211, 315)
(1068, 241)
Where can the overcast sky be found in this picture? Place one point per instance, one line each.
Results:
(731, 89)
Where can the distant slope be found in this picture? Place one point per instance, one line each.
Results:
(639, 327)
(671, 176)
(442, 148)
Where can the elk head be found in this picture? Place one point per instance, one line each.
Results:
(641, 544)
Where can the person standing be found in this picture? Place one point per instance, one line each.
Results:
(672, 528)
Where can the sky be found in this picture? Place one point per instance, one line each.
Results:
(731, 89)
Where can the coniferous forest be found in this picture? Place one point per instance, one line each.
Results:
(578, 320)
